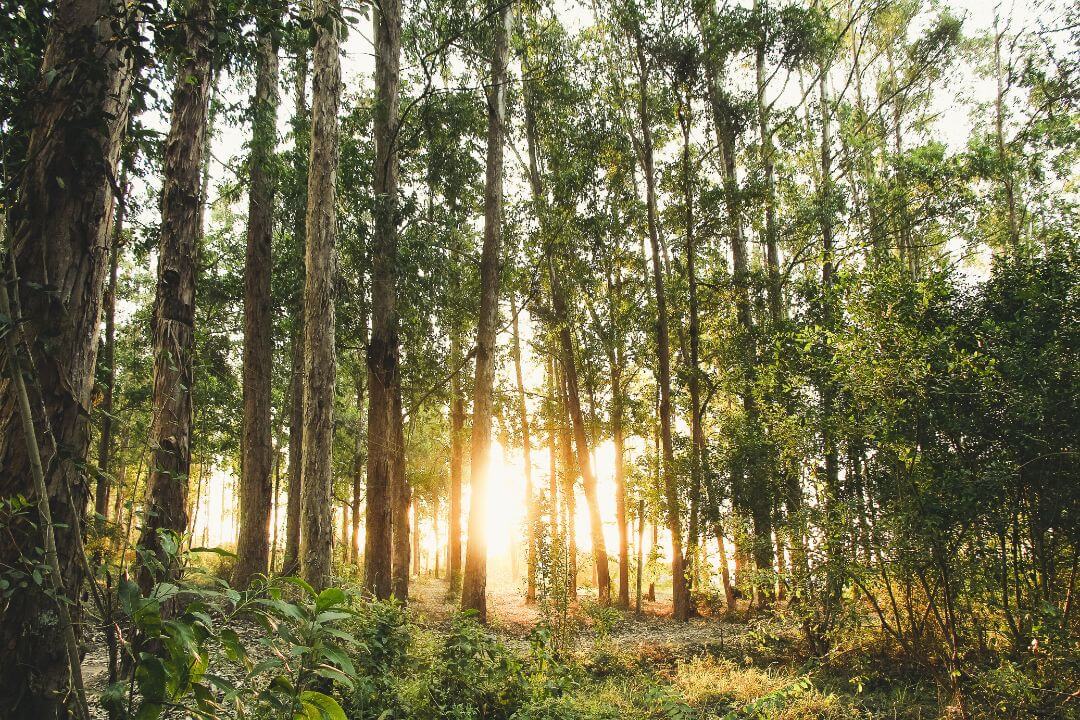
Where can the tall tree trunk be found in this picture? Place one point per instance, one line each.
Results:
(108, 361)
(359, 461)
(174, 304)
(752, 495)
(772, 251)
(1008, 183)
(833, 501)
(252, 549)
(526, 451)
(301, 132)
(400, 499)
(474, 586)
(569, 481)
(725, 141)
(699, 449)
(383, 353)
(581, 441)
(457, 436)
(679, 591)
(619, 441)
(316, 522)
(59, 228)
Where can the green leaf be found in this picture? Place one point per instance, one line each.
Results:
(332, 615)
(328, 598)
(298, 582)
(316, 706)
(233, 649)
(336, 675)
(216, 550)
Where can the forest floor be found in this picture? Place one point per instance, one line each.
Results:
(729, 667)
(628, 665)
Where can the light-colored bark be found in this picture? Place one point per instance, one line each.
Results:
(316, 522)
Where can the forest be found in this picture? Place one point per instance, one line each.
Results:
(539, 359)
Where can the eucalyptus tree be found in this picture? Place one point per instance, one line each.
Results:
(256, 489)
(384, 485)
(474, 583)
(295, 196)
(60, 214)
(320, 369)
(174, 303)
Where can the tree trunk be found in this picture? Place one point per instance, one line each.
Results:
(474, 586)
(383, 353)
(772, 251)
(291, 559)
(755, 493)
(569, 480)
(400, 499)
(679, 592)
(532, 511)
(252, 548)
(59, 229)
(619, 441)
(581, 441)
(359, 462)
(174, 304)
(316, 522)
(108, 361)
(457, 434)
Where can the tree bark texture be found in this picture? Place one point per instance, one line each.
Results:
(317, 531)
(252, 547)
(174, 303)
(383, 420)
(474, 585)
(59, 228)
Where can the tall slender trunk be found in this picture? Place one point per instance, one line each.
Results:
(768, 169)
(252, 547)
(752, 494)
(569, 480)
(526, 452)
(457, 434)
(320, 362)
(359, 461)
(294, 482)
(679, 591)
(474, 586)
(108, 361)
(174, 304)
(59, 240)
(383, 353)
(1008, 183)
(833, 501)
(725, 141)
(274, 517)
(581, 441)
(400, 499)
(618, 439)
(699, 451)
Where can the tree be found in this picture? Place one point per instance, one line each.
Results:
(320, 367)
(256, 496)
(680, 593)
(174, 303)
(59, 229)
(474, 584)
(301, 137)
(385, 462)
